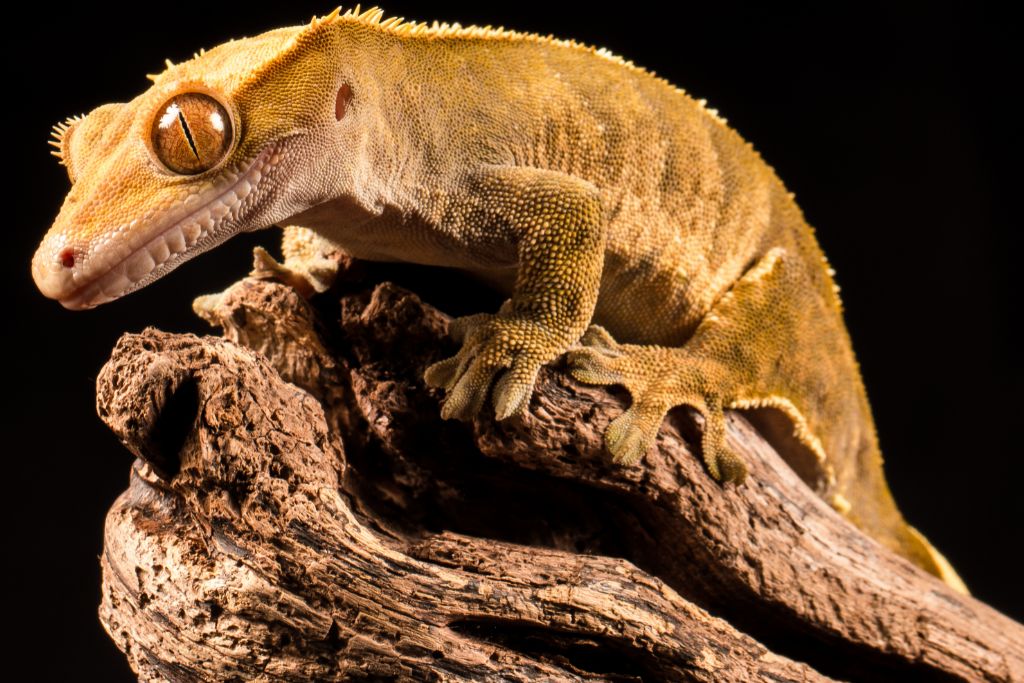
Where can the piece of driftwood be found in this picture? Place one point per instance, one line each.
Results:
(298, 511)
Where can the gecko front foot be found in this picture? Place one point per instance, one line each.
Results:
(492, 345)
(657, 379)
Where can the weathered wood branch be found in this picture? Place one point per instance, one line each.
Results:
(303, 513)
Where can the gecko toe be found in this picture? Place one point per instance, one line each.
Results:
(599, 338)
(513, 391)
(461, 328)
(623, 441)
(732, 467)
(442, 375)
(591, 366)
(631, 435)
(469, 394)
(723, 464)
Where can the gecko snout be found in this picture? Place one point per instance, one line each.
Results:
(55, 269)
(53, 266)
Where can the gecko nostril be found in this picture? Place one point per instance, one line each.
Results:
(67, 257)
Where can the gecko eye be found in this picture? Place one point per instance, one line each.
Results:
(191, 133)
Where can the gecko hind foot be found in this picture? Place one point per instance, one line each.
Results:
(311, 263)
(657, 379)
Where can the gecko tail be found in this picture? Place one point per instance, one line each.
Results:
(940, 566)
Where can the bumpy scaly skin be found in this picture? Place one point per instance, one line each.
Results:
(556, 223)
(588, 189)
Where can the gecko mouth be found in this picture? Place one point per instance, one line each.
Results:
(198, 223)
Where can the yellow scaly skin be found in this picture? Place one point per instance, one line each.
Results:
(588, 189)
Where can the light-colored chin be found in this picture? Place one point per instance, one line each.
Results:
(150, 248)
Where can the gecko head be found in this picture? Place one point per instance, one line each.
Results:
(233, 140)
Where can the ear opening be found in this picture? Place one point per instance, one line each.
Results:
(342, 100)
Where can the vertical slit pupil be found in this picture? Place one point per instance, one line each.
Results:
(188, 134)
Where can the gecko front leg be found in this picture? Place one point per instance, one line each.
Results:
(554, 223)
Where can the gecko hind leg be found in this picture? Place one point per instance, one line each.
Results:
(310, 264)
(658, 379)
(754, 347)
(774, 340)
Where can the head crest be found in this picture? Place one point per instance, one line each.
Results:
(59, 136)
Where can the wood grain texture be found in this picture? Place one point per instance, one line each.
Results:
(299, 511)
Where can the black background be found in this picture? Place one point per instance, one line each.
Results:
(894, 127)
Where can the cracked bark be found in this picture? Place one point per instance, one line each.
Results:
(298, 511)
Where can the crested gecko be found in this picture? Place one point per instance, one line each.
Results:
(629, 225)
